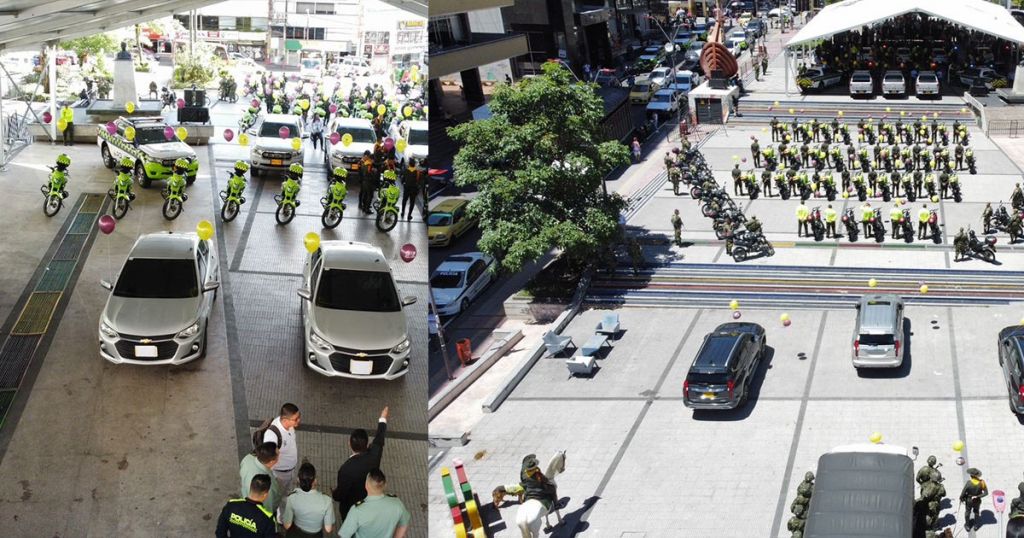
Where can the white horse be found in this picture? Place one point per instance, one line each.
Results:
(530, 512)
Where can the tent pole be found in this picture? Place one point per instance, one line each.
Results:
(785, 62)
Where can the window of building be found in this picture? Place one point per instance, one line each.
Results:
(318, 8)
(300, 32)
(227, 23)
(448, 30)
(208, 23)
(258, 24)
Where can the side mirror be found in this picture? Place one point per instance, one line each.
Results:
(210, 286)
(107, 285)
(305, 294)
(408, 300)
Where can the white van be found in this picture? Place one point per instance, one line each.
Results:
(354, 66)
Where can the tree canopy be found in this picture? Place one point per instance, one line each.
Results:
(538, 164)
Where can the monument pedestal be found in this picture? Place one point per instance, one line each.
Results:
(1014, 95)
(712, 105)
(124, 83)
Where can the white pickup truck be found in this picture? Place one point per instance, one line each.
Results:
(927, 83)
(893, 83)
(861, 83)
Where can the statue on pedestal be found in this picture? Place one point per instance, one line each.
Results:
(124, 54)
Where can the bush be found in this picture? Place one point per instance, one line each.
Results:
(804, 83)
(187, 74)
(142, 68)
(558, 280)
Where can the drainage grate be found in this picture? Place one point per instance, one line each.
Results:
(6, 399)
(56, 276)
(70, 247)
(92, 204)
(83, 223)
(35, 317)
(14, 358)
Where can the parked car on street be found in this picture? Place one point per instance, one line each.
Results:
(893, 83)
(642, 90)
(878, 338)
(269, 151)
(659, 74)
(927, 84)
(607, 78)
(685, 81)
(448, 221)
(980, 75)
(159, 305)
(724, 368)
(459, 280)
(821, 78)
(664, 102)
(1011, 359)
(363, 139)
(861, 83)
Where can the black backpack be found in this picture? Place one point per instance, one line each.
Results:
(258, 435)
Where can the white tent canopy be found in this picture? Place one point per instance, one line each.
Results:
(978, 15)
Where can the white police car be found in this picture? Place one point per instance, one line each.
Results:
(459, 279)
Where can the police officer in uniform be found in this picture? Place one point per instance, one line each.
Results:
(974, 490)
(248, 517)
(377, 515)
(755, 151)
(802, 214)
(830, 221)
(986, 218)
(677, 226)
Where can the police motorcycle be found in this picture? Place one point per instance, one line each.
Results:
(231, 197)
(747, 244)
(121, 193)
(174, 193)
(817, 225)
(54, 191)
(334, 201)
(287, 201)
(986, 249)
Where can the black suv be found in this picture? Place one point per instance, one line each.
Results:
(720, 376)
(1011, 358)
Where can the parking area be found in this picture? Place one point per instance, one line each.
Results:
(111, 441)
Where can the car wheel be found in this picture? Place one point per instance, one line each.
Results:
(206, 337)
(140, 176)
(108, 161)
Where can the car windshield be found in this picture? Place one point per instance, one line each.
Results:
(439, 219)
(417, 137)
(151, 135)
(682, 79)
(662, 98)
(148, 278)
(359, 134)
(363, 291)
(310, 64)
(272, 129)
(446, 279)
(861, 78)
(894, 78)
(928, 79)
(641, 87)
(876, 340)
(708, 379)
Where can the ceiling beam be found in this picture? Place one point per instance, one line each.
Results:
(46, 8)
(47, 25)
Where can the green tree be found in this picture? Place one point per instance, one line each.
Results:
(96, 44)
(538, 164)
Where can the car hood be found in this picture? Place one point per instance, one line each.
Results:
(446, 295)
(417, 151)
(355, 148)
(360, 330)
(150, 317)
(657, 105)
(273, 144)
(168, 150)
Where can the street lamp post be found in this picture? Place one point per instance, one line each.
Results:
(670, 47)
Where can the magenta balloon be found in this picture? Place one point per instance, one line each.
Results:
(169, 132)
(736, 314)
(333, 108)
(389, 140)
(408, 252)
(283, 132)
(181, 103)
(111, 128)
(107, 224)
(255, 102)
(47, 117)
(229, 135)
(335, 137)
(388, 145)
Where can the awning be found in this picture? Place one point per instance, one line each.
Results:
(293, 45)
(978, 15)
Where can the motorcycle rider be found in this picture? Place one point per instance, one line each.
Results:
(59, 177)
(292, 183)
(176, 182)
(124, 176)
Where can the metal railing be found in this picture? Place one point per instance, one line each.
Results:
(1009, 128)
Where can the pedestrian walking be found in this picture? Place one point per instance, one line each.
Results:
(736, 103)
(68, 117)
(971, 496)
(282, 432)
(261, 461)
(636, 150)
(350, 487)
(677, 226)
(247, 516)
(307, 511)
(316, 131)
(378, 515)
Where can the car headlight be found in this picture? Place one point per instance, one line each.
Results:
(440, 236)
(402, 346)
(189, 331)
(320, 342)
(105, 329)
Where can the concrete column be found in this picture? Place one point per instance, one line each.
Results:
(471, 86)
(3, 134)
(785, 60)
(51, 67)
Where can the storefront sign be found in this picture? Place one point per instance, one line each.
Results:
(409, 25)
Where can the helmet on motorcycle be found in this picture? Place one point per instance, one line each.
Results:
(277, 109)
(63, 160)
(253, 110)
(390, 175)
(295, 169)
(241, 167)
(181, 163)
(127, 163)
(340, 172)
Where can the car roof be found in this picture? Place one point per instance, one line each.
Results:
(145, 121)
(418, 125)
(893, 73)
(353, 255)
(449, 205)
(165, 246)
(668, 91)
(717, 351)
(459, 262)
(282, 118)
(878, 313)
(862, 72)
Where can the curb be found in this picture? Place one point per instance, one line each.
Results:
(500, 346)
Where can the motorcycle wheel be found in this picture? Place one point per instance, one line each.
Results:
(862, 195)
(229, 211)
(785, 194)
(52, 205)
(172, 208)
(988, 255)
(852, 234)
(819, 234)
(908, 235)
(957, 197)
(879, 235)
(912, 195)
(120, 208)
(770, 251)
(739, 254)
(754, 195)
(284, 214)
(331, 218)
(707, 211)
(831, 196)
(886, 196)
(386, 220)
(695, 192)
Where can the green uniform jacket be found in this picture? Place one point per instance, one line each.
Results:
(251, 467)
(375, 517)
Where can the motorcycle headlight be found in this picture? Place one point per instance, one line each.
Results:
(320, 342)
(189, 331)
(105, 329)
(402, 346)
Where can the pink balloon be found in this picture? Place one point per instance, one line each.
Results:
(181, 103)
(107, 224)
(283, 132)
(169, 132)
(111, 128)
(333, 108)
(229, 135)
(744, 159)
(736, 314)
(787, 323)
(47, 117)
(255, 102)
(388, 145)
(335, 137)
(408, 252)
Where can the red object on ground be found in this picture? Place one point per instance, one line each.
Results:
(436, 172)
(465, 351)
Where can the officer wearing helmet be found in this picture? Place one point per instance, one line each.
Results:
(930, 473)
(337, 190)
(124, 178)
(176, 183)
(59, 176)
(237, 183)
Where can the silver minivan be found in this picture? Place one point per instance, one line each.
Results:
(878, 340)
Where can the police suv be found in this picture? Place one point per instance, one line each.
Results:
(153, 153)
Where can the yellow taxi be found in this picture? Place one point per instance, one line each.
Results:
(448, 220)
(642, 90)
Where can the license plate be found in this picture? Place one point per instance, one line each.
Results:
(355, 167)
(145, 351)
(708, 396)
(276, 162)
(360, 367)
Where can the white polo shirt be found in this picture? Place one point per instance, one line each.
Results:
(289, 456)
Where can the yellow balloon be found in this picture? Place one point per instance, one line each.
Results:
(311, 241)
(935, 198)
(924, 288)
(924, 118)
(130, 107)
(401, 145)
(381, 109)
(426, 110)
(416, 77)
(903, 113)
(304, 104)
(935, 114)
(875, 438)
(958, 445)
(243, 139)
(129, 133)
(776, 103)
(784, 317)
(872, 283)
(888, 109)
(963, 110)
(296, 143)
(204, 230)
(734, 304)
(407, 111)
(182, 133)
(791, 111)
(346, 140)
(61, 125)
(764, 129)
(841, 113)
(846, 194)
